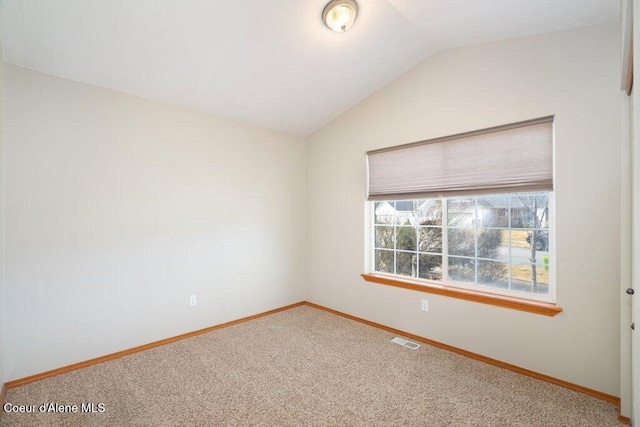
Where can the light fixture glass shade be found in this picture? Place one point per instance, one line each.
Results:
(339, 15)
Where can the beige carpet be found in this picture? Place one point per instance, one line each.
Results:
(304, 367)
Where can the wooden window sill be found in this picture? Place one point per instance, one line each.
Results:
(537, 307)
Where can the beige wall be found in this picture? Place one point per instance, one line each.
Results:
(626, 125)
(635, 211)
(119, 208)
(573, 75)
(625, 255)
(2, 377)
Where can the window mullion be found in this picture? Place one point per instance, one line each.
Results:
(475, 261)
(509, 252)
(417, 229)
(445, 240)
(395, 238)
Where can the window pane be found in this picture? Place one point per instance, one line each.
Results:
(530, 210)
(462, 242)
(521, 216)
(406, 238)
(430, 239)
(405, 206)
(528, 278)
(494, 274)
(407, 212)
(384, 261)
(461, 212)
(493, 211)
(521, 246)
(538, 239)
(492, 245)
(519, 241)
(384, 236)
(430, 212)
(462, 269)
(385, 213)
(430, 267)
(406, 263)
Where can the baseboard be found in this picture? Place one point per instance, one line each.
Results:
(119, 354)
(595, 393)
(3, 395)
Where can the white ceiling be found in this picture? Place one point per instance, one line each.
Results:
(267, 63)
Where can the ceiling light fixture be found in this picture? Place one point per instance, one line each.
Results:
(339, 15)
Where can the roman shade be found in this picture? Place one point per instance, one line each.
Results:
(504, 159)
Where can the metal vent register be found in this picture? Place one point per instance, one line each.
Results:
(408, 344)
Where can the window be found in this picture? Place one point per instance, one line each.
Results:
(472, 211)
(497, 242)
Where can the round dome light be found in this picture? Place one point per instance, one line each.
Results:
(339, 15)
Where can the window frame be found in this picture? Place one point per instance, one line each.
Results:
(537, 303)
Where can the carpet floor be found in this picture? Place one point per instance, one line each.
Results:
(302, 367)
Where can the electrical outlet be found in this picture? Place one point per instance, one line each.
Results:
(193, 300)
(425, 305)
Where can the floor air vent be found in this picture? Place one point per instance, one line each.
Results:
(408, 344)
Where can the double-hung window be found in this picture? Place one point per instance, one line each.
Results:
(470, 212)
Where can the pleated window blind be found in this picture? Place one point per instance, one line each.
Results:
(504, 159)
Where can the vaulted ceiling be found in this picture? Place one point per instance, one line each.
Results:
(268, 63)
